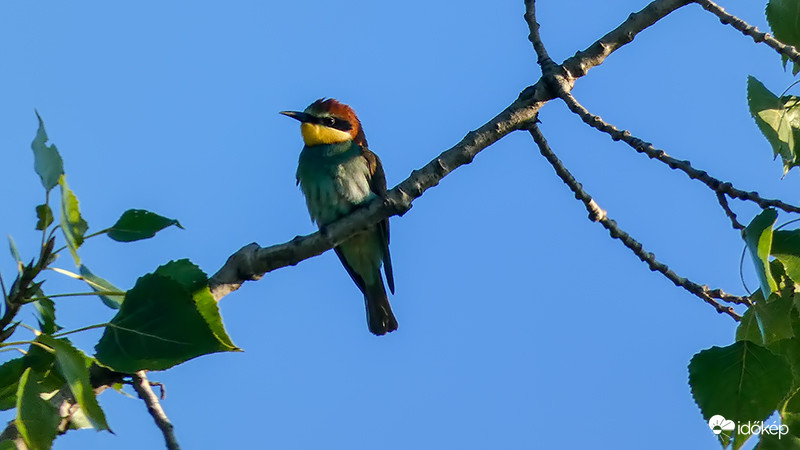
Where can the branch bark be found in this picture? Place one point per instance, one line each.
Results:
(252, 261)
(143, 387)
(750, 30)
(557, 80)
(597, 214)
(578, 65)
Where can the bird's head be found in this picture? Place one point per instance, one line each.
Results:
(327, 121)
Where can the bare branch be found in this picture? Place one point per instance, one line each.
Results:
(145, 391)
(723, 201)
(534, 37)
(578, 65)
(730, 298)
(684, 166)
(251, 262)
(597, 214)
(750, 30)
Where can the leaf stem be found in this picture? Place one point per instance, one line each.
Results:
(36, 343)
(97, 233)
(79, 277)
(90, 327)
(790, 86)
(78, 294)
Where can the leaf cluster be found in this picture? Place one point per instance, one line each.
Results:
(759, 374)
(778, 116)
(168, 317)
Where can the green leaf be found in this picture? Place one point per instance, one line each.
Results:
(195, 281)
(774, 318)
(47, 316)
(790, 349)
(10, 373)
(786, 286)
(748, 329)
(160, 325)
(778, 119)
(72, 364)
(45, 216)
(12, 246)
(43, 361)
(39, 359)
(8, 445)
(72, 224)
(101, 284)
(137, 224)
(776, 442)
(782, 17)
(790, 414)
(46, 160)
(37, 420)
(758, 237)
(786, 249)
(741, 382)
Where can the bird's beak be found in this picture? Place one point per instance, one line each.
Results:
(301, 116)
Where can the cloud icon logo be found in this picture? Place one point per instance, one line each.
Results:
(718, 424)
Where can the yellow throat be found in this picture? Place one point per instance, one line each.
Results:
(315, 134)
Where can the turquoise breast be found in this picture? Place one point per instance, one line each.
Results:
(334, 179)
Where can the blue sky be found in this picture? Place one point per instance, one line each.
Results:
(522, 324)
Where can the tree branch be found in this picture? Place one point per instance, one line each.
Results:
(578, 65)
(749, 30)
(145, 391)
(723, 202)
(684, 166)
(251, 262)
(534, 37)
(597, 214)
(560, 86)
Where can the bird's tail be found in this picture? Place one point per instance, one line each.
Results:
(379, 313)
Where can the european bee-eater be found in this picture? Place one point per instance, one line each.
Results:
(337, 173)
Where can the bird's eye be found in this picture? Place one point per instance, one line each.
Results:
(329, 121)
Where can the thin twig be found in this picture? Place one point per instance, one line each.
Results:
(750, 30)
(252, 261)
(555, 75)
(730, 298)
(597, 214)
(161, 388)
(145, 391)
(723, 202)
(684, 166)
(578, 65)
(534, 37)
(558, 79)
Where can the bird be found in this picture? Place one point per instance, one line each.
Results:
(337, 174)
